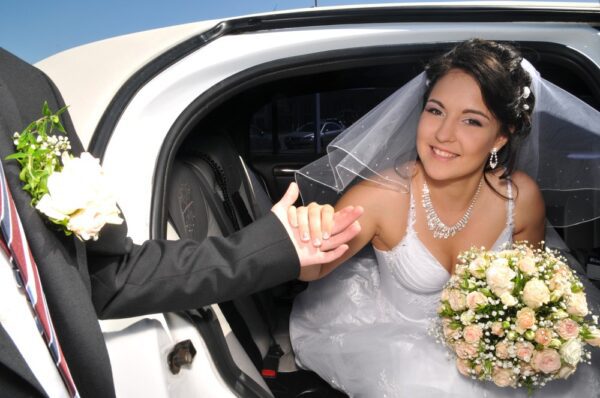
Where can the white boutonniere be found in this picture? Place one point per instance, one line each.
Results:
(73, 192)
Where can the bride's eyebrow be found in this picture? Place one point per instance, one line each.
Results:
(436, 102)
(477, 113)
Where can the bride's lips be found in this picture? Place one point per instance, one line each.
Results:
(442, 154)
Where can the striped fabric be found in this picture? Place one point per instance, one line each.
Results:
(14, 243)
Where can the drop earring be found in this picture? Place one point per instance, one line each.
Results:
(494, 158)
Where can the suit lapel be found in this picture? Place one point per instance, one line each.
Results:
(12, 360)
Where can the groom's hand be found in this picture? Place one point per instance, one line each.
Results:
(318, 233)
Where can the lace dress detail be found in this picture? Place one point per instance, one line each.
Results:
(363, 328)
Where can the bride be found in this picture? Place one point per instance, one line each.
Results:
(468, 177)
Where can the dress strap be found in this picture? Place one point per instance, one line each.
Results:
(412, 214)
(510, 206)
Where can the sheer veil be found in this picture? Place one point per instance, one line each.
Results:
(562, 152)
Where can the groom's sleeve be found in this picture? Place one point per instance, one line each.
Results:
(163, 276)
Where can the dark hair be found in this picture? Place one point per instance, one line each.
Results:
(504, 86)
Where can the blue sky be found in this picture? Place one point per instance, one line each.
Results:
(35, 29)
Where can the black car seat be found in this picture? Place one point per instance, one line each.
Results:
(214, 193)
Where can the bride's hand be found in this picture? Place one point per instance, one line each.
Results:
(318, 233)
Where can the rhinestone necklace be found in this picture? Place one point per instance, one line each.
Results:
(435, 225)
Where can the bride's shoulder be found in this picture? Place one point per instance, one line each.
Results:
(518, 186)
(383, 189)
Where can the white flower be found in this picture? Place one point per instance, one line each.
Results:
(467, 317)
(477, 267)
(508, 299)
(80, 194)
(577, 304)
(527, 266)
(499, 277)
(594, 338)
(535, 293)
(571, 351)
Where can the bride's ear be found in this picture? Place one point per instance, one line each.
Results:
(501, 140)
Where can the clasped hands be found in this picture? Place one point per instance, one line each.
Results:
(318, 232)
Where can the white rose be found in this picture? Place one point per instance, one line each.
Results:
(535, 293)
(81, 194)
(565, 372)
(477, 267)
(594, 338)
(499, 277)
(508, 299)
(559, 285)
(467, 317)
(571, 352)
(577, 304)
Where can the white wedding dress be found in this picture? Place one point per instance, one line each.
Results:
(364, 329)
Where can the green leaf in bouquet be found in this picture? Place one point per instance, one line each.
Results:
(16, 155)
(46, 109)
(519, 284)
(576, 288)
(455, 325)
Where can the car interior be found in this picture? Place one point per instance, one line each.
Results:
(233, 163)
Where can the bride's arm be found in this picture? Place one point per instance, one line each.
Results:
(530, 213)
(368, 197)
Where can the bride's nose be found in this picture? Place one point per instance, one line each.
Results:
(446, 130)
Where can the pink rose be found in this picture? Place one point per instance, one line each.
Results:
(525, 319)
(472, 334)
(502, 349)
(527, 265)
(526, 369)
(465, 350)
(497, 329)
(457, 300)
(524, 350)
(502, 377)
(543, 336)
(476, 299)
(463, 366)
(567, 328)
(449, 332)
(546, 361)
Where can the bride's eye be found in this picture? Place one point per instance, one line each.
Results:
(473, 122)
(433, 110)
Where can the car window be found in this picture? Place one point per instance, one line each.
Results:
(290, 120)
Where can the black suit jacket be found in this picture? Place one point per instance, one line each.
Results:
(113, 277)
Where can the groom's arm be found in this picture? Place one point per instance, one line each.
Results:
(162, 276)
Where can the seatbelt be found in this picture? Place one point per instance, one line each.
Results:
(235, 202)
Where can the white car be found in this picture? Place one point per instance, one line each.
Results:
(155, 105)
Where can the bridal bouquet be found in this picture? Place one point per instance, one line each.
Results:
(72, 192)
(517, 317)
